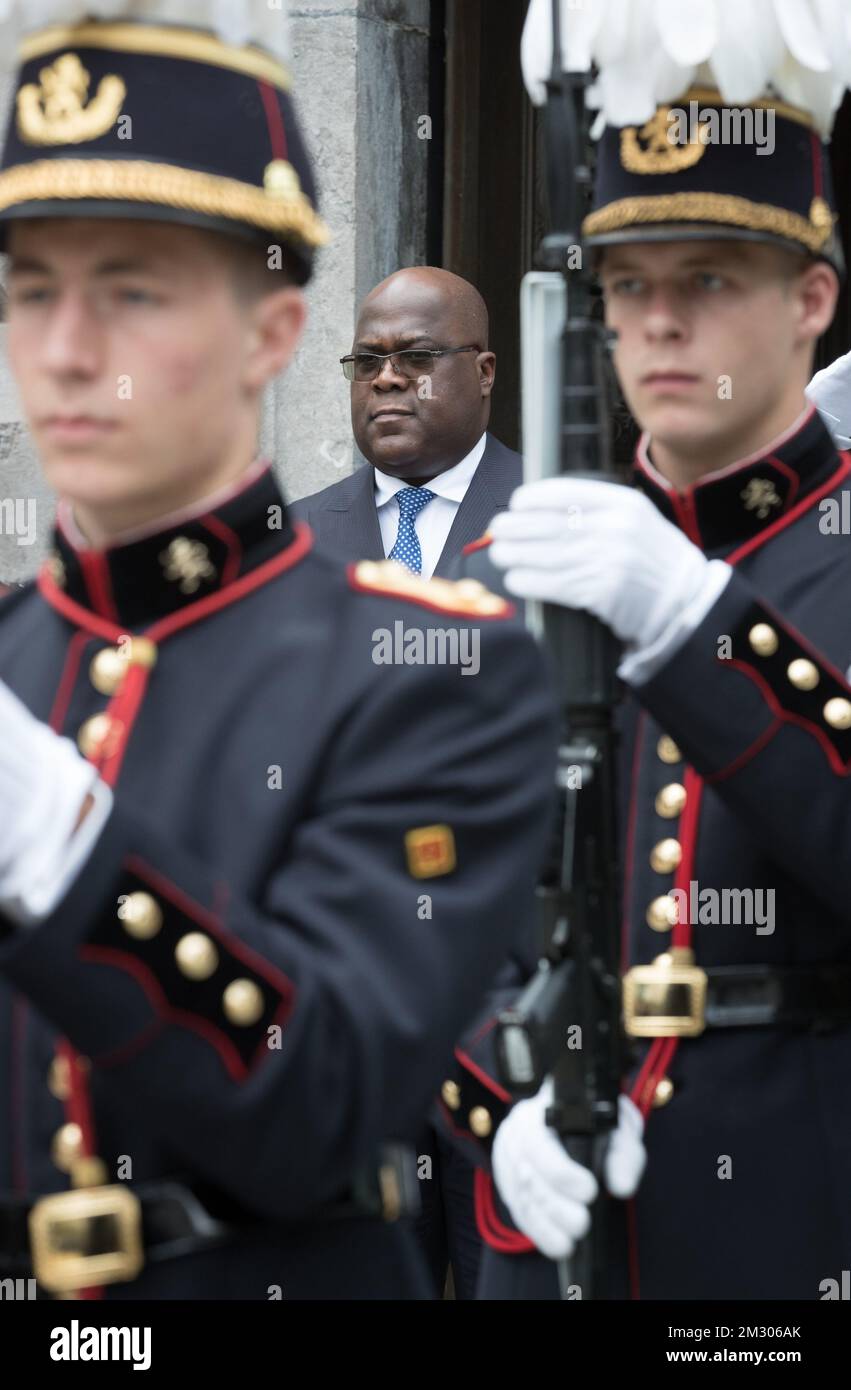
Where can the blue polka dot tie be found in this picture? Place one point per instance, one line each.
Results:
(406, 547)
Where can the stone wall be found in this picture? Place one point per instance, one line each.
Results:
(361, 82)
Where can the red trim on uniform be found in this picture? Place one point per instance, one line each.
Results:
(787, 518)
(354, 583)
(75, 612)
(483, 1031)
(230, 569)
(756, 747)
(687, 836)
(189, 908)
(481, 544)
(686, 513)
(491, 1228)
(120, 1056)
(67, 681)
(482, 1076)
(78, 1111)
(629, 856)
(196, 1023)
(786, 717)
(274, 120)
(794, 479)
(818, 178)
(95, 569)
(656, 1064)
(193, 612)
(255, 579)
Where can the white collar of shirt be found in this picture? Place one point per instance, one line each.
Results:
(452, 484)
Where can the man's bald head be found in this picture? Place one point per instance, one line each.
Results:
(416, 429)
(461, 301)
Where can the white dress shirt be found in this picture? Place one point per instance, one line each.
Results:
(435, 520)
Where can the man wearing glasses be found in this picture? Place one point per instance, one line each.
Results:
(422, 377)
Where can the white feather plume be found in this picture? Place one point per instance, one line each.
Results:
(650, 51)
(238, 22)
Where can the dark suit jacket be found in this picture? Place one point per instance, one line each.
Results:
(344, 518)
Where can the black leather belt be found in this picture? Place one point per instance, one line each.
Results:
(90, 1236)
(754, 996)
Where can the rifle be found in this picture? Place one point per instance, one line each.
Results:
(567, 1021)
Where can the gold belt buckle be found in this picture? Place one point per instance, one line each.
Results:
(87, 1237)
(666, 999)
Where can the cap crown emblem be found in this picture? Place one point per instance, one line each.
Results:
(58, 111)
(652, 149)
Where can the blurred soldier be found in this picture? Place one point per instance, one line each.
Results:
(719, 572)
(246, 900)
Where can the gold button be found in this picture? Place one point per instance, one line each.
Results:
(480, 1122)
(89, 1172)
(662, 913)
(196, 956)
(451, 1093)
(91, 740)
(469, 588)
(243, 1002)
(663, 1093)
(108, 670)
(58, 1078)
(665, 856)
(142, 652)
(763, 639)
(140, 915)
(803, 674)
(837, 713)
(671, 800)
(668, 750)
(66, 1146)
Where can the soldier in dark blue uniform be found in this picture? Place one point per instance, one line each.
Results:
(255, 873)
(722, 573)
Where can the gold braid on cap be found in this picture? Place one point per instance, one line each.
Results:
(721, 208)
(166, 185)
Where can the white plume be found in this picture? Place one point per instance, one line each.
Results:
(236, 21)
(650, 51)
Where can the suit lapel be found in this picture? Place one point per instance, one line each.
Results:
(498, 474)
(350, 525)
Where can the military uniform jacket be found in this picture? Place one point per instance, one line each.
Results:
(312, 868)
(736, 762)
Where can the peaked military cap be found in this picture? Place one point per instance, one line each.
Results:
(700, 168)
(157, 121)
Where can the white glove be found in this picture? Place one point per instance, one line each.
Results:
(607, 549)
(830, 393)
(44, 783)
(549, 1194)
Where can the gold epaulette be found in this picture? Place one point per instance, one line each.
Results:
(464, 597)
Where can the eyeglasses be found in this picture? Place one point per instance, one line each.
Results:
(410, 363)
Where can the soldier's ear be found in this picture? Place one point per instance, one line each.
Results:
(816, 290)
(275, 325)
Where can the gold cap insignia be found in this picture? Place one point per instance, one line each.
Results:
(57, 112)
(652, 150)
(760, 496)
(430, 851)
(186, 563)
